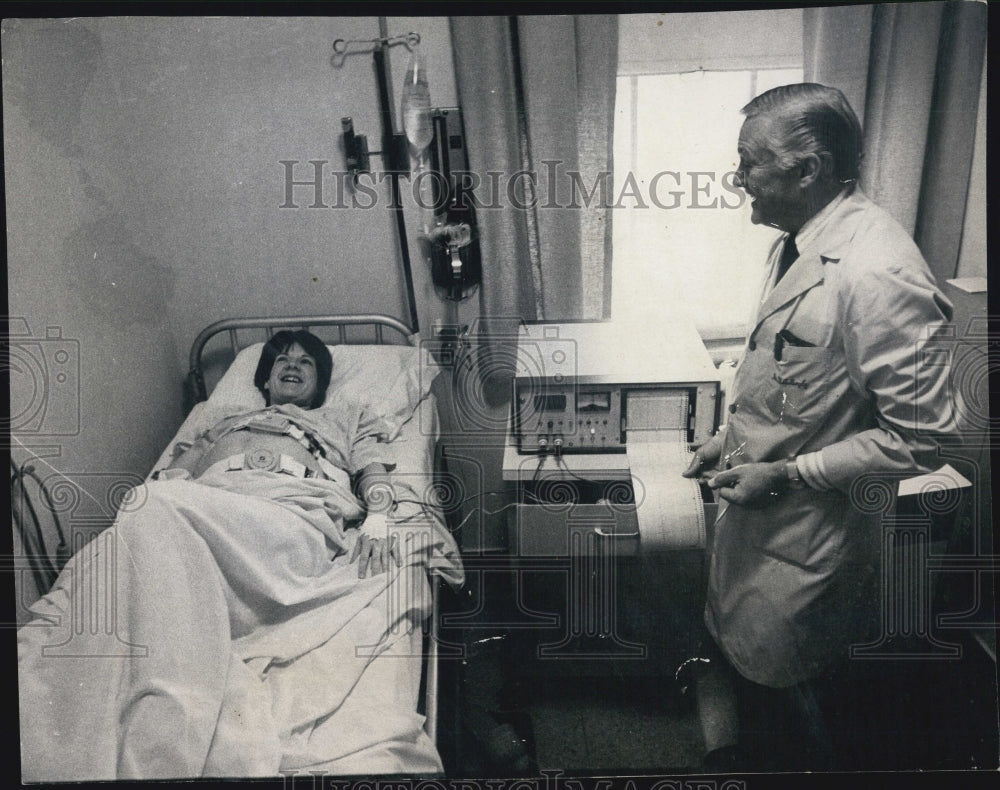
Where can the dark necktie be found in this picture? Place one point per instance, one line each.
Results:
(788, 256)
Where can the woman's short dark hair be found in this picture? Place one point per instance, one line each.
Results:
(279, 343)
(814, 119)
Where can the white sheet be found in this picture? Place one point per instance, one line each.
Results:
(212, 631)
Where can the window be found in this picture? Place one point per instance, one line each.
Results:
(682, 237)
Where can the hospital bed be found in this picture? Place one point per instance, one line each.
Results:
(376, 366)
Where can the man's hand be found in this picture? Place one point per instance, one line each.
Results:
(751, 485)
(374, 547)
(704, 460)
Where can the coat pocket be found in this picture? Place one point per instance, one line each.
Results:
(799, 392)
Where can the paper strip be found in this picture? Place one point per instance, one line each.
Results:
(669, 508)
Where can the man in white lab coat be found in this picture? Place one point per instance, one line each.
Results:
(831, 390)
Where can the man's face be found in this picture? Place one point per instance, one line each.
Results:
(776, 195)
(293, 378)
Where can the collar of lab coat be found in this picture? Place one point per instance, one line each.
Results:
(809, 269)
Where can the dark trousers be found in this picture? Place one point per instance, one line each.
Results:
(804, 727)
(792, 729)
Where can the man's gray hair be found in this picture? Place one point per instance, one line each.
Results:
(812, 119)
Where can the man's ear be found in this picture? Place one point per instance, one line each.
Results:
(810, 169)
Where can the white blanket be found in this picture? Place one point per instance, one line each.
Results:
(218, 629)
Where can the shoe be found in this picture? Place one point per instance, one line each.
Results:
(724, 760)
(505, 741)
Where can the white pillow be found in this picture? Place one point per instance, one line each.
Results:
(387, 381)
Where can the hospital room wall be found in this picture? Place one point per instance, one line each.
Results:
(226, 102)
(92, 369)
(144, 192)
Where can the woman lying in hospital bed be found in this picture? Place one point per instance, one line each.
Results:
(252, 630)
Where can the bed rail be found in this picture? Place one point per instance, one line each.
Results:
(25, 517)
(376, 324)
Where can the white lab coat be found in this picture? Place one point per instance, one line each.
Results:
(789, 583)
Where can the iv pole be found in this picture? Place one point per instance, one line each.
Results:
(395, 150)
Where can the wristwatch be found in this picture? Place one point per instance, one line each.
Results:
(794, 478)
(175, 473)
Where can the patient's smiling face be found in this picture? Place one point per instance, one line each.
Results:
(293, 378)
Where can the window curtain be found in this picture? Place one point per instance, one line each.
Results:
(912, 72)
(537, 96)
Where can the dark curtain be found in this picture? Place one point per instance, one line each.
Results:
(537, 95)
(487, 84)
(912, 73)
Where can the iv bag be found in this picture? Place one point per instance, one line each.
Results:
(416, 105)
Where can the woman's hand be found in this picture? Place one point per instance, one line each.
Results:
(374, 547)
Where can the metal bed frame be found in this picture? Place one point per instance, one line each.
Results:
(25, 516)
(376, 322)
(375, 326)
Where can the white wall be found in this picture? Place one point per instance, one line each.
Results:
(143, 188)
(656, 43)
